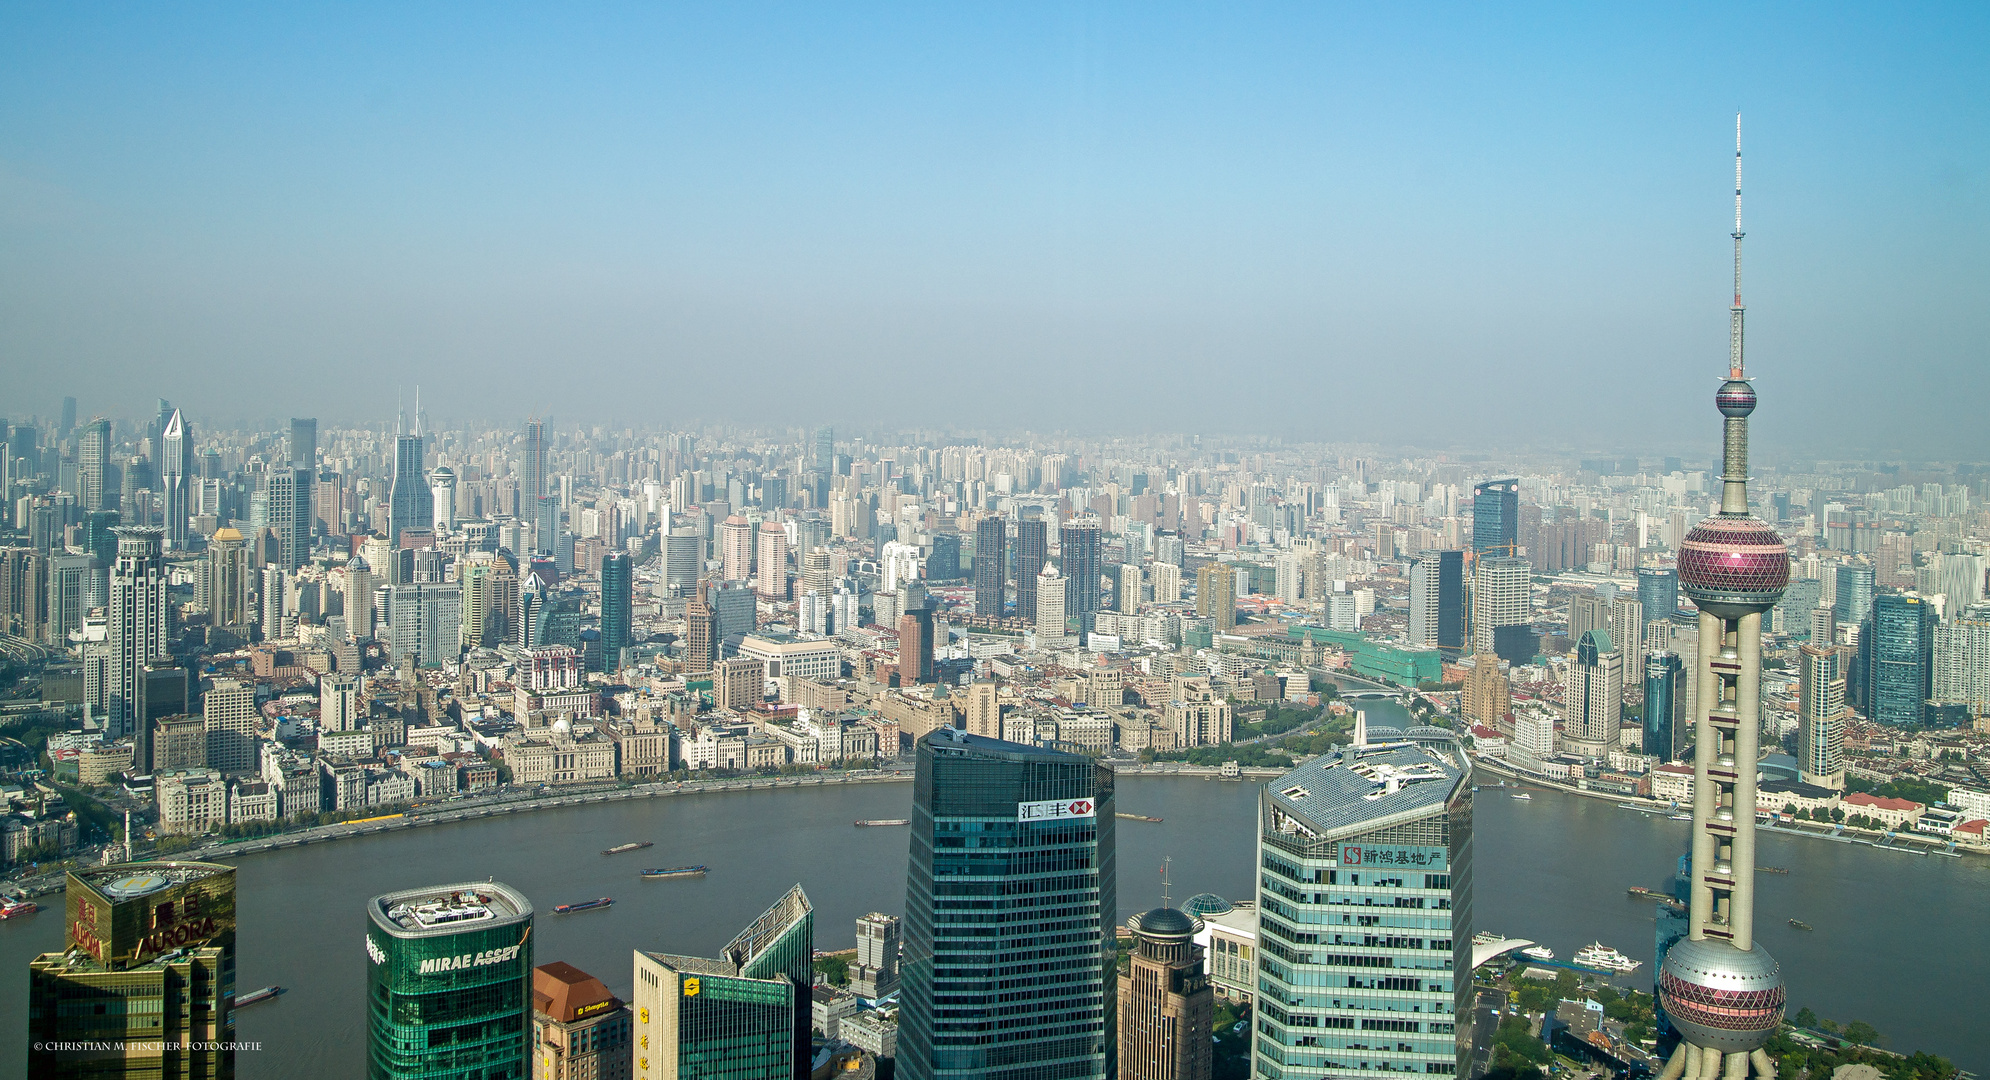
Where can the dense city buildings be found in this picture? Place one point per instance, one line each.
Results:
(742, 1015)
(449, 983)
(1011, 886)
(145, 984)
(1365, 912)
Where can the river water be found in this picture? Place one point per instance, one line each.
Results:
(1900, 939)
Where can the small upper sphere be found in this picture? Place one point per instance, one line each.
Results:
(1735, 398)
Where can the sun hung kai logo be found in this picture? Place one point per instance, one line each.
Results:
(1056, 809)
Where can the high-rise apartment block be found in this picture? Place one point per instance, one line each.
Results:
(1821, 715)
(1081, 551)
(875, 973)
(1216, 594)
(1007, 965)
(1032, 549)
(1502, 608)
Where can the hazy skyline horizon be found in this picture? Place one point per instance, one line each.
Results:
(1439, 228)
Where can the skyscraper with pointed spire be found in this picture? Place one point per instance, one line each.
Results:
(1720, 988)
(410, 503)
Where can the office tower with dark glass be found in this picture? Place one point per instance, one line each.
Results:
(1896, 659)
(617, 607)
(1364, 865)
(410, 503)
(991, 549)
(145, 986)
(1718, 987)
(1007, 970)
(137, 633)
(449, 983)
(1496, 517)
(1658, 592)
(743, 1015)
(1032, 549)
(532, 465)
(93, 456)
(1080, 549)
(1665, 722)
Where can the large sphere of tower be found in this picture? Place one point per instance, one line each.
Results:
(1733, 565)
(1720, 997)
(1735, 398)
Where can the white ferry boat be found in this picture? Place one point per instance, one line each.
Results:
(1539, 952)
(1523, 796)
(1603, 958)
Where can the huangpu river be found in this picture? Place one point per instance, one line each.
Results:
(1900, 939)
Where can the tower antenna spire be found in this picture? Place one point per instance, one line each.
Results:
(1734, 330)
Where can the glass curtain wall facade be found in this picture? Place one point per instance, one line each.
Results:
(449, 983)
(1496, 518)
(148, 968)
(1007, 966)
(1365, 915)
(1665, 724)
(1897, 647)
(744, 1015)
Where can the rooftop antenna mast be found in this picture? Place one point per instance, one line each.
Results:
(1167, 863)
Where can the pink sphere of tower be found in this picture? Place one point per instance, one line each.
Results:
(1731, 565)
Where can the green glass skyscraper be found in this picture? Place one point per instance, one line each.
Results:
(449, 983)
(616, 604)
(743, 1015)
(1007, 964)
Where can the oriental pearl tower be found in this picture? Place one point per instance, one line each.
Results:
(1720, 988)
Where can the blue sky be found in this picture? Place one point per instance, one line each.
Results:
(1443, 225)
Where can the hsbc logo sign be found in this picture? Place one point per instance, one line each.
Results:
(1056, 809)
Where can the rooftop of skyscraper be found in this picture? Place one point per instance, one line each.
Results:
(1360, 788)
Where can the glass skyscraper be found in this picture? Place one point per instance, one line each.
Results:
(1853, 598)
(146, 984)
(449, 983)
(1896, 650)
(1665, 725)
(1080, 551)
(1496, 517)
(1365, 913)
(743, 1015)
(1007, 965)
(617, 602)
(1658, 592)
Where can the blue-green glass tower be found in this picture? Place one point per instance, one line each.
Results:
(743, 1015)
(617, 601)
(1896, 653)
(1665, 706)
(1365, 913)
(1007, 966)
(449, 983)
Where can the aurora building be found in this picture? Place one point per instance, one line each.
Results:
(449, 983)
(1364, 913)
(743, 1015)
(145, 984)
